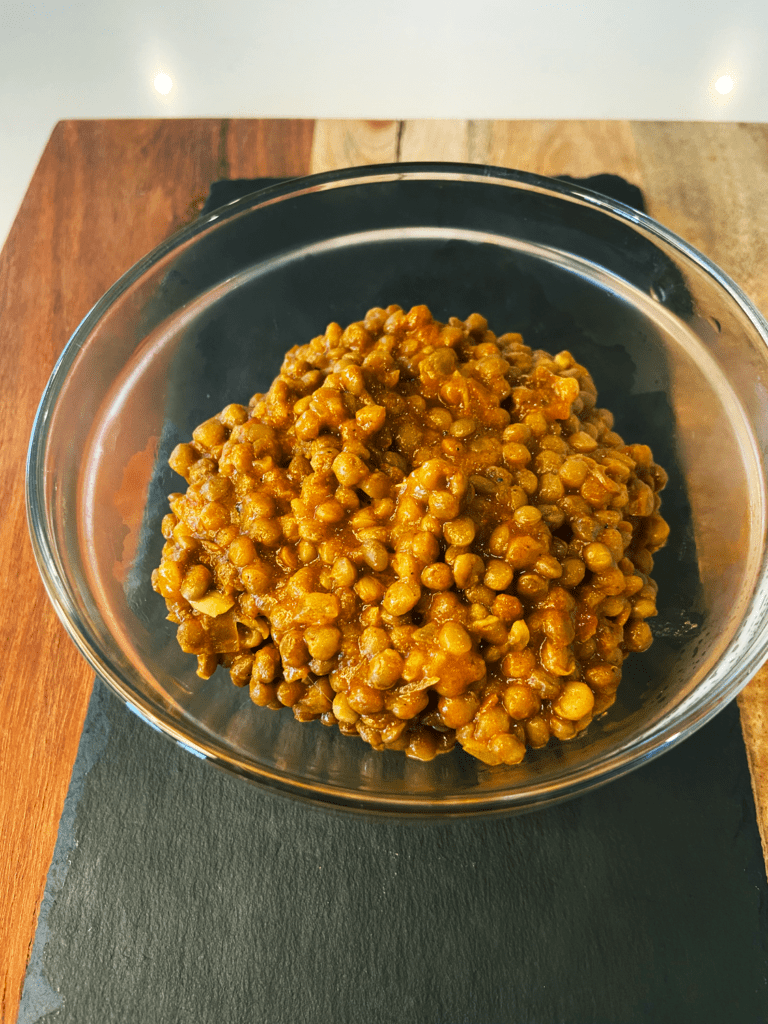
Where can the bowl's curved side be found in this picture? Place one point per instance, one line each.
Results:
(164, 310)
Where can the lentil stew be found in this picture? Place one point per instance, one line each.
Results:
(422, 533)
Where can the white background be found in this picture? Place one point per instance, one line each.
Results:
(383, 59)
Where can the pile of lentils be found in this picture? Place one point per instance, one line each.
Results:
(422, 533)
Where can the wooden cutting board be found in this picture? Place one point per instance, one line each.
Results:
(105, 193)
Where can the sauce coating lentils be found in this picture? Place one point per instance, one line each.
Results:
(422, 533)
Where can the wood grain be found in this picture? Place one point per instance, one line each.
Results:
(103, 195)
(267, 149)
(753, 710)
(440, 140)
(339, 144)
(578, 148)
(709, 183)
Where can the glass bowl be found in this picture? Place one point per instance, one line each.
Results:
(678, 353)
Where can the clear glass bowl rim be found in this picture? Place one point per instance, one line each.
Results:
(60, 591)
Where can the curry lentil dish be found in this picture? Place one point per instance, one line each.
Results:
(422, 533)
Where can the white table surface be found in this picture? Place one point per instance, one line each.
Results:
(391, 59)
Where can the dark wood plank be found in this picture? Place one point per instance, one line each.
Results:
(274, 149)
(104, 194)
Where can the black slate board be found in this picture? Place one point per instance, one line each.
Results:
(181, 894)
(177, 893)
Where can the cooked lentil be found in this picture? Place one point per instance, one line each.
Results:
(422, 533)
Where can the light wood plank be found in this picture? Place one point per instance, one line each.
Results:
(339, 144)
(578, 148)
(438, 140)
(753, 711)
(709, 183)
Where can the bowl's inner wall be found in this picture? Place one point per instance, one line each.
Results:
(210, 324)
